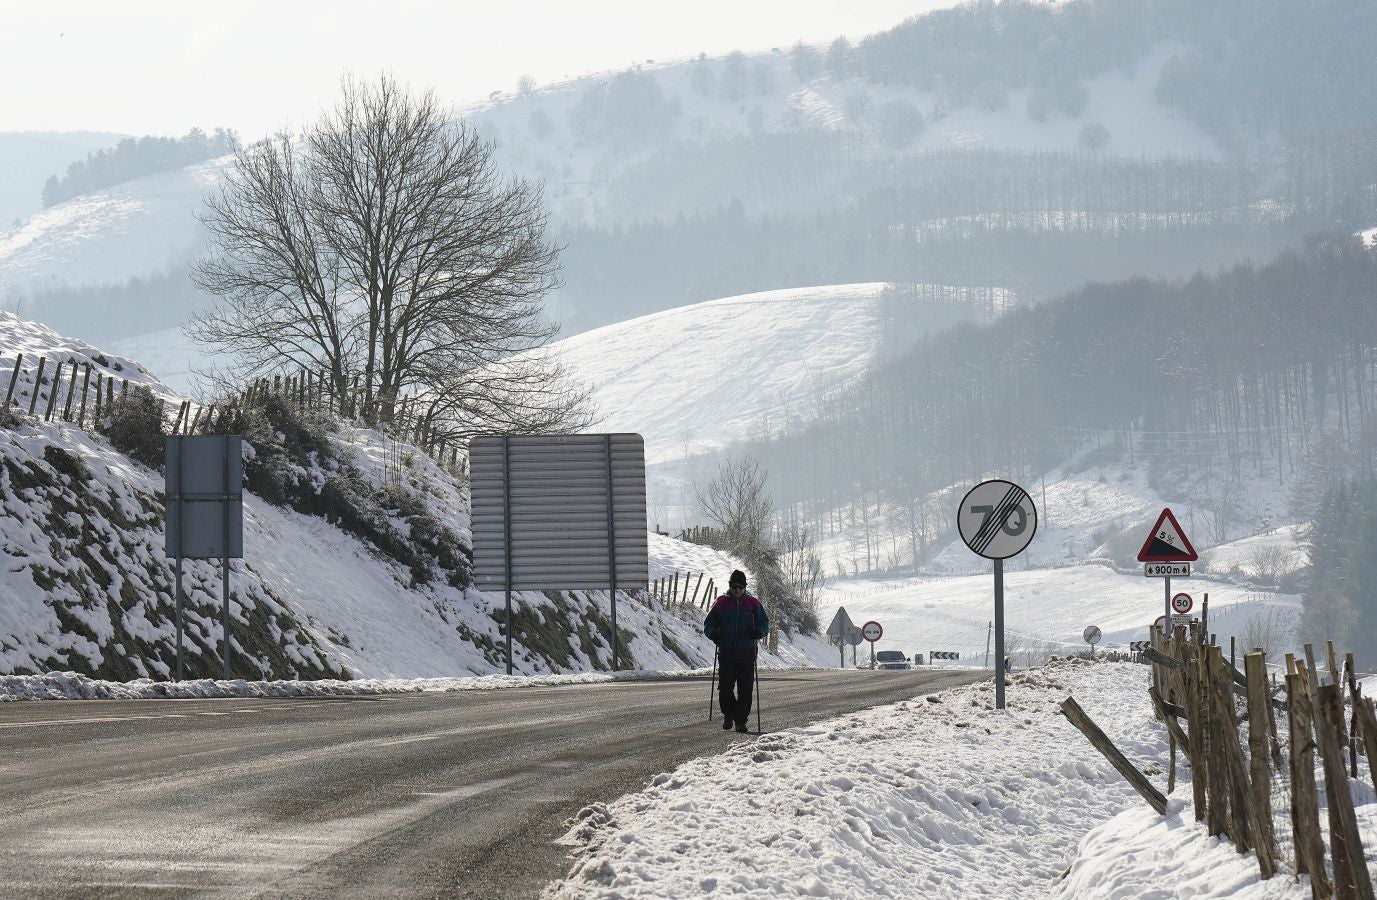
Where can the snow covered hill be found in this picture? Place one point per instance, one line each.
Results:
(137, 228)
(86, 587)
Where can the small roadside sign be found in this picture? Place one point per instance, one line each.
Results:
(841, 622)
(1182, 603)
(1185, 620)
(1167, 542)
(1091, 634)
(1167, 570)
(872, 631)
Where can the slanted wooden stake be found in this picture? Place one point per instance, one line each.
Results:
(85, 389)
(38, 383)
(14, 379)
(1305, 805)
(1101, 742)
(1260, 801)
(52, 392)
(1351, 878)
(71, 393)
(1367, 727)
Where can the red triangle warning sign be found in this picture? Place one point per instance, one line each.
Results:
(1167, 542)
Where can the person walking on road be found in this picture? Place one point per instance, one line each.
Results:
(736, 622)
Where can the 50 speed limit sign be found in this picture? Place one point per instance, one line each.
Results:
(997, 519)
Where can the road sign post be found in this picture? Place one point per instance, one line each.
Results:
(559, 512)
(203, 487)
(838, 632)
(997, 520)
(1167, 544)
(872, 632)
(1092, 637)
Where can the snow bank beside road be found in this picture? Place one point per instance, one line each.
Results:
(938, 796)
(71, 686)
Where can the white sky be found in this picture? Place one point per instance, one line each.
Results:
(160, 67)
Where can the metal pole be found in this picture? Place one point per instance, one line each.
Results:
(999, 633)
(989, 630)
(611, 541)
(712, 687)
(1166, 621)
(841, 652)
(179, 592)
(181, 514)
(224, 560)
(507, 542)
(755, 673)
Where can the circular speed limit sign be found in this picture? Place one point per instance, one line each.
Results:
(1091, 634)
(1182, 603)
(997, 519)
(872, 631)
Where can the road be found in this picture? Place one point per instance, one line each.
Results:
(460, 794)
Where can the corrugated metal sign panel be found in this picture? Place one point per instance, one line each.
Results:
(558, 511)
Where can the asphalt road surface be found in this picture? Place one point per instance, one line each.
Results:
(436, 795)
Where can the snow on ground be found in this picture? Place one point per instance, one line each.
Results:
(935, 797)
(695, 378)
(70, 686)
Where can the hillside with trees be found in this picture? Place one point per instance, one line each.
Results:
(1217, 382)
(134, 158)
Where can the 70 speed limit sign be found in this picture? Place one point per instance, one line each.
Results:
(997, 519)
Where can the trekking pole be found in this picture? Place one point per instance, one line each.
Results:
(712, 687)
(755, 668)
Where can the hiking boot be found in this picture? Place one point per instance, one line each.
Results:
(741, 727)
(726, 724)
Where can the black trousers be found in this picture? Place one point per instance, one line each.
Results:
(735, 683)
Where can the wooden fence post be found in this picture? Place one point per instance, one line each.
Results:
(95, 414)
(52, 392)
(85, 389)
(1260, 803)
(38, 383)
(71, 392)
(1305, 805)
(1196, 719)
(1217, 786)
(1351, 878)
(1233, 765)
(14, 379)
(1367, 727)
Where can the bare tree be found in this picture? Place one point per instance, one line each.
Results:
(800, 567)
(736, 502)
(1271, 561)
(385, 245)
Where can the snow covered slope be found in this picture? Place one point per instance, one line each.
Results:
(138, 228)
(85, 585)
(695, 378)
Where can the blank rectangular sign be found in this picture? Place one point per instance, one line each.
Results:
(557, 507)
(204, 478)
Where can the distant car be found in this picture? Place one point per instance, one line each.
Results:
(891, 659)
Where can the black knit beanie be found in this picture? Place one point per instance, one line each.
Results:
(738, 577)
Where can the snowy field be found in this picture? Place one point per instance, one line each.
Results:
(1045, 610)
(933, 797)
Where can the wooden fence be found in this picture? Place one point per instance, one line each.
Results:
(674, 590)
(1238, 781)
(411, 422)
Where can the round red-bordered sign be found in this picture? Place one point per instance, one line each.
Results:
(1182, 603)
(872, 631)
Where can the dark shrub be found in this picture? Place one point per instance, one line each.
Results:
(134, 425)
(68, 464)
